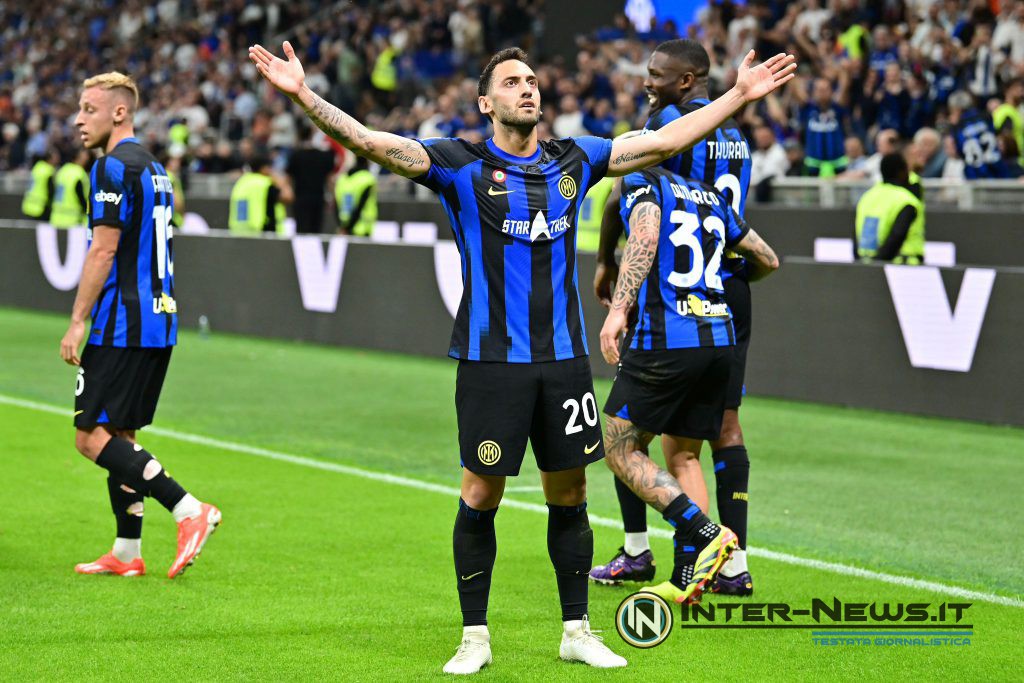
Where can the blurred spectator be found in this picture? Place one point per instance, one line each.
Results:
(355, 193)
(858, 166)
(38, 199)
(309, 168)
(768, 161)
(975, 139)
(1008, 118)
(929, 146)
(826, 123)
(890, 219)
(569, 123)
(71, 191)
(794, 156)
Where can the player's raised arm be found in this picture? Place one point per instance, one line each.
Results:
(752, 84)
(641, 248)
(395, 153)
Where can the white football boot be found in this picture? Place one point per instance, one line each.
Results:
(474, 652)
(580, 644)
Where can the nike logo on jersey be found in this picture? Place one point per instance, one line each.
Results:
(495, 193)
(587, 450)
(467, 578)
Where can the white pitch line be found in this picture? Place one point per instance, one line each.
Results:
(596, 520)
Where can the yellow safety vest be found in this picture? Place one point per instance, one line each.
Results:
(1008, 111)
(37, 198)
(67, 211)
(348, 190)
(876, 213)
(384, 75)
(588, 225)
(249, 212)
(850, 40)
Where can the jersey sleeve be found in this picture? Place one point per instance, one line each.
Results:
(109, 204)
(735, 227)
(637, 188)
(447, 156)
(598, 152)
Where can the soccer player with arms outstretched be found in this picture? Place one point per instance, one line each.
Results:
(523, 370)
(127, 289)
(676, 84)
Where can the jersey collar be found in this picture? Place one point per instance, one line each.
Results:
(131, 139)
(511, 157)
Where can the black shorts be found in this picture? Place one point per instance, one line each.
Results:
(680, 392)
(501, 405)
(737, 295)
(119, 387)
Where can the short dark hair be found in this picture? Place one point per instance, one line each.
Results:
(893, 166)
(690, 53)
(506, 55)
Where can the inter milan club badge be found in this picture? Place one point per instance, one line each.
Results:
(567, 186)
(498, 176)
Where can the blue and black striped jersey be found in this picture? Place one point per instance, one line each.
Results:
(136, 307)
(978, 146)
(514, 220)
(722, 160)
(824, 131)
(682, 303)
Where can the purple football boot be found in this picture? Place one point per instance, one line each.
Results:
(624, 567)
(740, 585)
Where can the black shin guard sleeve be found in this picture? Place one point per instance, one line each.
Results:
(475, 548)
(126, 506)
(633, 509)
(571, 549)
(732, 474)
(128, 462)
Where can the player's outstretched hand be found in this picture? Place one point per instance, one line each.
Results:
(611, 332)
(71, 342)
(287, 77)
(756, 82)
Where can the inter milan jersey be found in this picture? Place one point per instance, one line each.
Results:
(722, 160)
(514, 220)
(825, 133)
(132, 192)
(682, 303)
(978, 146)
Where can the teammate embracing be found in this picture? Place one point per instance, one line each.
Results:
(513, 203)
(127, 288)
(677, 85)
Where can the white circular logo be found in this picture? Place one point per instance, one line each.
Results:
(643, 620)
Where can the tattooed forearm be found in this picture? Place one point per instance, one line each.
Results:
(625, 448)
(641, 248)
(760, 256)
(398, 155)
(339, 125)
(627, 157)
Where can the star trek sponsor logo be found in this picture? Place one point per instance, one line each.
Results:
(696, 196)
(636, 194)
(536, 229)
(702, 308)
(108, 198)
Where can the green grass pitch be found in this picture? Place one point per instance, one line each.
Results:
(329, 575)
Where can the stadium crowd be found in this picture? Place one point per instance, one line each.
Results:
(881, 72)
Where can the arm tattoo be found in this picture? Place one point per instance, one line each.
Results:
(758, 249)
(626, 454)
(641, 248)
(398, 155)
(339, 125)
(627, 157)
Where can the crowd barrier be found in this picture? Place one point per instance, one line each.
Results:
(927, 340)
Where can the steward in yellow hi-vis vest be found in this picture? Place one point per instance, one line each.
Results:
(258, 199)
(890, 219)
(588, 225)
(355, 193)
(71, 192)
(38, 198)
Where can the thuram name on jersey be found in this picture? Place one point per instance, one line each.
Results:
(731, 149)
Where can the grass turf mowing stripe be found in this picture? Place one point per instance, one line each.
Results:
(821, 565)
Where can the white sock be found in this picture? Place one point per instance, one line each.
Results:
(636, 543)
(127, 549)
(737, 564)
(477, 633)
(186, 508)
(574, 626)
